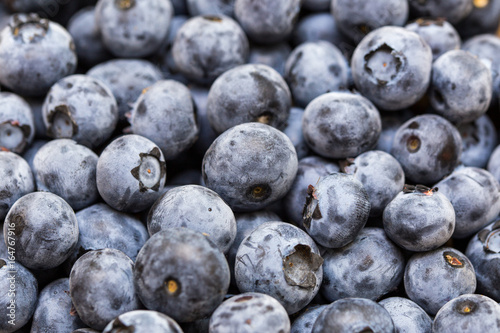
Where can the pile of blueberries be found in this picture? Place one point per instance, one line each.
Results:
(250, 166)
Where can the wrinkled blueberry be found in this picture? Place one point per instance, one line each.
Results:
(197, 208)
(131, 173)
(428, 147)
(207, 46)
(143, 321)
(354, 315)
(45, 230)
(483, 251)
(126, 78)
(34, 54)
(81, 108)
(313, 69)
(267, 21)
(474, 194)
(87, 37)
(392, 67)
(133, 28)
(17, 180)
(67, 169)
(357, 18)
(54, 311)
(381, 175)
(182, 274)
(102, 286)
(16, 306)
(17, 123)
(419, 219)
(250, 313)
(250, 166)
(282, 261)
(433, 278)
(335, 210)
(479, 139)
(461, 87)
(468, 313)
(165, 114)
(452, 10)
(310, 171)
(438, 33)
(248, 93)
(349, 271)
(406, 315)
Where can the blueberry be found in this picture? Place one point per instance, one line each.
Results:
(67, 169)
(315, 27)
(354, 315)
(34, 54)
(17, 124)
(340, 125)
(143, 321)
(133, 28)
(17, 180)
(274, 55)
(102, 286)
(250, 312)
(428, 147)
(349, 271)
(248, 93)
(336, 209)
(207, 46)
(207, 214)
(474, 194)
(453, 10)
(45, 230)
(305, 321)
(483, 251)
(313, 69)
(131, 173)
(468, 313)
(392, 67)
(30, 153)
(165, 114)
(210, 7)
(433, 278)
(479, 139)
(419, 219)
(494, 163)
(54, 311)
(282, 261)
(310, 170)
(406, 315)
(381, 175)
(87, 37)
(358, 18)
(126, 78)
(14, 276)
(250, 166)
(293, 130)
(461, 87)
(482, 19)
(486, 47)
(103, 227)
(267, 21)
(438, 33)
(81, 108)
(182, 274)
(246, 223)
